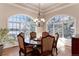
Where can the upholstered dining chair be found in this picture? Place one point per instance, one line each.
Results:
(55, 43)
(44, 34)
(32, 35)
(46, 45)
(25, 49)
(22, 34)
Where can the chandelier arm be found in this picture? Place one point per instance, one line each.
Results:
(39, 19)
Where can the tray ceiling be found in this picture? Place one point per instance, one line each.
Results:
(44, 7)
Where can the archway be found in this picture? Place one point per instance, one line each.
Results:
(20, 23)
(16, 24)
(64, 25)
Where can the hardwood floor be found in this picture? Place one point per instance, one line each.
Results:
(14, 51)
(64, 51)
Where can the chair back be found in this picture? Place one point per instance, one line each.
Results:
(32, 35)
(22, 34)
(44, 34)
(47, 43)
(20, 41)
(56, 38)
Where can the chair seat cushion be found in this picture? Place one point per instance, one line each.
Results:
(44, 53)
(29, 49)
(29, 46)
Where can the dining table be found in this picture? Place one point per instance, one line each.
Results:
(36, 43)
(33, 41)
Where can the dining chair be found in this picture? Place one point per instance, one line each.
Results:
(55, 43)
(44, 34)
(22, 34)
(46, 45)
(32, 35)
(25, 49)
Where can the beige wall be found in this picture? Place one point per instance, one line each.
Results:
(70, 11)
(7, 10)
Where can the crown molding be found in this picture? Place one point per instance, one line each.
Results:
(25, 8)
(47, 12)
(59, 8)
(29, 6)
(52, 7)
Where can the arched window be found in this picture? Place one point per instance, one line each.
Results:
(20, 23)
(64, 25)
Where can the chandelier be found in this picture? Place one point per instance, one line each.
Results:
(39, 20)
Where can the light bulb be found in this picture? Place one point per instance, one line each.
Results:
(42, 19)
(35, 20)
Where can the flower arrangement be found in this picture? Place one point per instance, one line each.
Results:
(3, 32)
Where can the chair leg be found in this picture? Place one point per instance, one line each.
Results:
(25, 54)
(52, 54)
(56, 51)
(19, 53)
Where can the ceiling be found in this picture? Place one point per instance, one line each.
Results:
(42, 5)
(45, 8)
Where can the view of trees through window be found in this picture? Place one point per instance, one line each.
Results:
(20, 23)
(64, 25)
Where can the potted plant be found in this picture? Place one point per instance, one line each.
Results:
(3, 32)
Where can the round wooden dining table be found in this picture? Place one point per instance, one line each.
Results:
(35, 43)
(32, 42)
